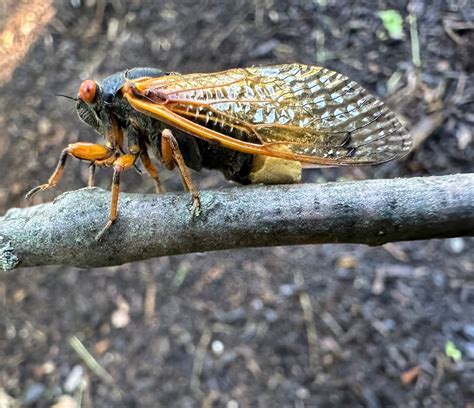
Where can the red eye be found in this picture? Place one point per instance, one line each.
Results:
(87, 91)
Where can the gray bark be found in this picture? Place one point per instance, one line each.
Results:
(367, 212)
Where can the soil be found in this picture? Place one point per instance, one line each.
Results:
(329, 325)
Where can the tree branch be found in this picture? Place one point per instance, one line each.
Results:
(368, 212)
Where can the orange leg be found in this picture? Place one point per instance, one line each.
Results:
(120, 164)
(81, 150)
(167, 139)
(171, 155)
(152, 171)
(108, 162)
(113, 133)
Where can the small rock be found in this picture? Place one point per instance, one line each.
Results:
(302, 393)
(6, 401)
(347, 262)
(232, 404)
(101, 346)
(468, 330)
(271, 315)
(33, 393)
(390, 324)
(439, 279)
(256, 304)
(120, 318)
(217, 347)
(464, 136)
(469, 350)
(456, 245)
(287, 290)
(73, 379)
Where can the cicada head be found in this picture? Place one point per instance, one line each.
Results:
(87, 103)
(97, 101)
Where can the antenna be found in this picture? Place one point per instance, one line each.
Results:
(66, 96)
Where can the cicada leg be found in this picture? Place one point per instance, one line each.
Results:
(122, 163)
(152, 170)
(171, 155)
(81, 150)
(91, 180)
(135, 147)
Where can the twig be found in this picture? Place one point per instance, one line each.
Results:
(368, 212)
(415, 41)
(311, 332)
(199, 356)
(150, 301)
(92, 363)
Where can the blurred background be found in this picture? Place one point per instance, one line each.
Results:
(328, 325)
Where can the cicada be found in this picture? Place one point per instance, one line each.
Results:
(229, 121)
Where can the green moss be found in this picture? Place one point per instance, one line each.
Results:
(393, 23)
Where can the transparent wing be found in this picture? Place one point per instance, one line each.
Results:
(310, 113)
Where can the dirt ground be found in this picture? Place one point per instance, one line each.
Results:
(314, 326)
